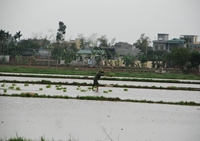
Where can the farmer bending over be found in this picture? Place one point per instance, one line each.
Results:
(96, 78)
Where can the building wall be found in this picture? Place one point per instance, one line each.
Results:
(4, 58)
(122, 48)
(163, 37)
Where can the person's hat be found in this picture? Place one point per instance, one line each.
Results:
(101, 70)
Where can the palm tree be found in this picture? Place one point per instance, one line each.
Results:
(3, 38)
(17, 35)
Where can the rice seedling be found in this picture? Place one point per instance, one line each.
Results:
(109, 90)
(40, 89)
(5, 91)
(11, 87)
(3, 85)
(48, 86)
(105, 91)
(26, 84)
(78, 88)
(83, 90)
(64, 90)
(58, 88)
(18, 88)
(125, 89)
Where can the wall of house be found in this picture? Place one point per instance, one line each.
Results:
(4, 58)
(160, 46)
(122, 48)
(162, 37)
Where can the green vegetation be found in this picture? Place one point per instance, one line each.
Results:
(83, 90)
(3, 85)
(101, 98)
(26, 84)
(5, 91)
(105, 91)
(70, 71)
(48, 86)
(18, 88)
(11, 87)
(125, 89)
(40, 89)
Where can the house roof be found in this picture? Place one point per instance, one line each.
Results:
(175, 40)
(159, 41)
(84, 51)
(89, 51)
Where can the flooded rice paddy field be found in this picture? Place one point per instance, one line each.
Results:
(108, 82)
(85, 120)
(131, 93)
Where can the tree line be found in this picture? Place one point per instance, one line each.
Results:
(184, 58)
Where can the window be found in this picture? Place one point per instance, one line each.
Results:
(161, 47)
(156, 47)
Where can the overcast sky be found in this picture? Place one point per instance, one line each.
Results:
(124, 20)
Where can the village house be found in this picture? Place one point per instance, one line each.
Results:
(122, 48)
(163, 43)
(192, 41)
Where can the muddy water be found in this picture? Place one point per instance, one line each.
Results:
(94, 120)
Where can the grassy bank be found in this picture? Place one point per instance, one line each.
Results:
(92, 71)
(101, 98)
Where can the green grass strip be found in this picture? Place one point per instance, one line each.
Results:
(101, 98)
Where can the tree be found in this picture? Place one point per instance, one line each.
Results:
(83, 42)
(17, 35)
(143, 59)
(143, 43)
(57, 52)
(128, 60)
(194, 60)
(103, 41)
(4, 40)
(180, 57)
(61, 32)
(159, 58)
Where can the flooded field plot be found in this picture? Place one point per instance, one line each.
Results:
(130, 93)
(96, 120)
(150, 84)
